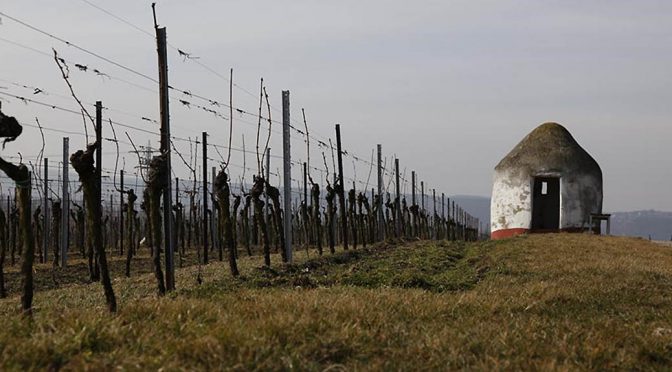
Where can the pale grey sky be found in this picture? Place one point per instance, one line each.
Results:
(448, 86)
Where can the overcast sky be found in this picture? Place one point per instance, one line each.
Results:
(448, 86)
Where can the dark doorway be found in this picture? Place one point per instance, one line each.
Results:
(546, 203)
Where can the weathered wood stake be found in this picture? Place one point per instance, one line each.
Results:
(164, 100)
(205, 198)
(45, 222)
(397, 200)
(340, 189)
(287, 175)
(65, 207)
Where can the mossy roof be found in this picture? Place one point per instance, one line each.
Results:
(549, 148)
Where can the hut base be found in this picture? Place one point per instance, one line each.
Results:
(508, 233)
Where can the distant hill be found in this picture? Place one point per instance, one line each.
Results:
(656, 224)
(652, 223)
(477, 206)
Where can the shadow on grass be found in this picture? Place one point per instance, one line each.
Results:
(433, 266)
(48, 277)
(430, 265)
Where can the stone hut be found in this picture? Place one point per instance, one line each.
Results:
(547, 183)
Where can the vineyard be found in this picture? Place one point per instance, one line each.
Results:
(185, 206)
(334, 186)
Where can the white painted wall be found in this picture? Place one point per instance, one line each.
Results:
(580, 196)
(511, 205)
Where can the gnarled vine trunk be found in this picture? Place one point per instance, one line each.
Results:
(37, 229)
(234, 214)
(83, 163)
(351, 216)
(223, 194)
(56, 230)
(274, 194)
(331, 215)
(130, 233)
(78, 219)
(21, 176)
(317, 224)
(10, 128)
(155, 185)
(245, 221)
(255, 193)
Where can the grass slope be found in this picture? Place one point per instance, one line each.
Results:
(534, 302)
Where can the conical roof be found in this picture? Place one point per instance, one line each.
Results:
(549, 148)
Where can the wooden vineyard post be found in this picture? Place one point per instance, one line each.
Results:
(305, 184)
(65, 205)
(205, 198)
(434, 224)
(423, 214)
(287, 175)
(268, 179)
(9, 222)
(458, 221)
(108, 232)
(460, 217)
(340, 187)
(121, 212)
(381, 217)
(397, 200)
(414, 217)
(214, 220)
(448, 224)
(422, 193)
(45, 203)
(178, 219)
(97, 207)
(98, 214)
(443, 214)
(454, 221)
(164, 100)
(304, 216)
(464, 222)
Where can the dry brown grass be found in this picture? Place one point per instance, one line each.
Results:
(554, 301)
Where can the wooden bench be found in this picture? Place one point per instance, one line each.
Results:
(599, 217)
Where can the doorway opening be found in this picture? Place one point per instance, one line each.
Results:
(546, 203)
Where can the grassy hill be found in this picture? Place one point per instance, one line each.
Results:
(554, 301)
